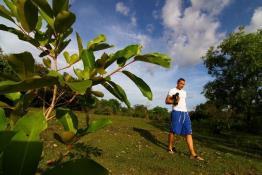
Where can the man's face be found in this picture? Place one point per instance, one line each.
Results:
(181, 84)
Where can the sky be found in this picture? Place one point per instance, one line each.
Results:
(183, 29)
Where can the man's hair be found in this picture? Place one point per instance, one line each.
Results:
(180, 79)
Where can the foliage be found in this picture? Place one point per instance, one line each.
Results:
(159, 113)
(236, 65)
(48, 28)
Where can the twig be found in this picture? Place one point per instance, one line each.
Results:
(120, 68)
(69, 101)
(43, 100)
(59, 96)
(51, 117)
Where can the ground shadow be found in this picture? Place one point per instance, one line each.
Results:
(162, 125)
(233, 143)
(150, 137)
(85, 151)
(228, 144)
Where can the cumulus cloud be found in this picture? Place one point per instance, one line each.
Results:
(133, 20)
(150, 28)
(256, 21)
(155, 14)
(213, 7)
(122, 8)
(192, 30)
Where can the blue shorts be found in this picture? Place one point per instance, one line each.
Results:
(180, 123)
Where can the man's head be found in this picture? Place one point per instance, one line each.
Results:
(180, 83)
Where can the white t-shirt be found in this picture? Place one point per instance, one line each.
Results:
(181, 106)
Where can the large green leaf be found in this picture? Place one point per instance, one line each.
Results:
(144, 88)
(64, 20)
(71, 59)
(101, 46)
(23, 64)
(23, 104)
(121, 92)
(13, 96)
(68, 119)
(80, 167)
(3, 120)
(79, 43)
(99, 39)
(82, 74)
(20, 35)
(123, 55)
(5, 13)
(32, 124)
(80, 86)
(59, 76)
(155, 58)
(117, 91)
(22, 155)
(50, 21)
(98, 124)
(60, 5)
(112, 90)
(28, 14)
(62, 45)
(12, 7)
(43, 5)
(39, 24)
(5, 139)
(28, 84)
(88, 59)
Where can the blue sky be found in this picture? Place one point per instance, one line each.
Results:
(184, 29)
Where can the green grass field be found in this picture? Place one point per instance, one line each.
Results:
(134, 146)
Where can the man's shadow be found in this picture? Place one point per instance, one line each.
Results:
(150, 137)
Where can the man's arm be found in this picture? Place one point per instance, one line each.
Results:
(169, 99)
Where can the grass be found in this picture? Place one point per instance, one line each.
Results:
(134, 146)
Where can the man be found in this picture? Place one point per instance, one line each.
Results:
(180, 120)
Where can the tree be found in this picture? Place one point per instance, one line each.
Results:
(159, 113)
(140, 111)
(6, 71)
(236, 65)
(48, 28)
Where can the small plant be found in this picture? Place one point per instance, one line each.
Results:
(48, 29)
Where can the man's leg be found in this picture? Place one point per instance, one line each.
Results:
(190, 144)
(170, 140)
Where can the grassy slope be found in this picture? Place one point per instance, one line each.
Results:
(136, 146)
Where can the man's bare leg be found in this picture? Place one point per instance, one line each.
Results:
(190, 145)
(170, 140)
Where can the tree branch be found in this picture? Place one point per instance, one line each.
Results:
(120, 68)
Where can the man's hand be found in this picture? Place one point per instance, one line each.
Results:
(169, 100)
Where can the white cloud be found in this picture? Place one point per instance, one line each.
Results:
(256, 21)
(155, 14)
(191, 31)
(213, 7)
(150, 28)
(122, 8)
(133, 20)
